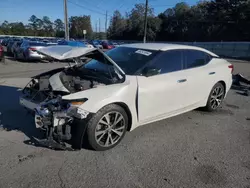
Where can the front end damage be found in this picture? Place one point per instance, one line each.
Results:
(62, 120)
(54, 116)
(58, 118)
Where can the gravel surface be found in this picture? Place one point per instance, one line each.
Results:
(196, 149)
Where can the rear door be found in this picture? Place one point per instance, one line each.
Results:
(163, 93)
(199, 74)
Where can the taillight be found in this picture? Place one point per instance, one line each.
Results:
(231, 67)
(32, 49)
(1, 49)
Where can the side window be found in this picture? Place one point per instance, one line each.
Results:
(168, 61)
(195, 58)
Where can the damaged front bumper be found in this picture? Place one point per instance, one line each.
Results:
(57, 120)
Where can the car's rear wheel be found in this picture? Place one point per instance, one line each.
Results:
(107, 127)
(216, 97)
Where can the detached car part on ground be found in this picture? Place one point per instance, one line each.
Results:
(106, 94)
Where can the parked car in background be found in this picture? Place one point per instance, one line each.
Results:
(5, 42)
(35, 39)
(115, 44)
(1, 39)
(88, 44)
(107, 45)
(45, 41)
(52, 42)
(72, 43)
(11, 41)
(28, 51)
(96, 44)
(15, 47)
(2, 58)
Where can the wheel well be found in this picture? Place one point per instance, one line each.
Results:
(126, 108)
(223, 83)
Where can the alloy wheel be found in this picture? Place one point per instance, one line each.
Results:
(110, 129)
(216, 97)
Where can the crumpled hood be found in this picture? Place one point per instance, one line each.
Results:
(62, 52)
(68, 52)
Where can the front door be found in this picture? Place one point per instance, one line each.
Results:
(163, 93)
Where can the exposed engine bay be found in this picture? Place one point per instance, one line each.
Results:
(39, 88)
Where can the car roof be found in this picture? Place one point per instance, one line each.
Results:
(165, 47)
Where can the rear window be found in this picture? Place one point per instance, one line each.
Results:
(195, 58)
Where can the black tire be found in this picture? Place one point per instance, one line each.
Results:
(3, 60)
(93, 122)
(15, 56)
(25, 57)
(209, 106)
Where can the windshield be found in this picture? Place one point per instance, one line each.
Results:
(128, 59)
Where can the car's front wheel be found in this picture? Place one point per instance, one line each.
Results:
(216, 97)
(107, 127)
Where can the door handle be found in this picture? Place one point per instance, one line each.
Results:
(211, 73)
(182, 80)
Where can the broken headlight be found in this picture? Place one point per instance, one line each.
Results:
(75, 110)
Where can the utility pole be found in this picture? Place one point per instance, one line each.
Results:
(106, 24)
(145, 22)
(99, 28)
(66, 23)
(96, 29)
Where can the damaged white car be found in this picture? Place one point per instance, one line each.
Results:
(106, 94)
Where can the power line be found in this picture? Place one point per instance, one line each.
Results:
(98, 12)
(93, 5)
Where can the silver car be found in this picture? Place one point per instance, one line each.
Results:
(28, 50)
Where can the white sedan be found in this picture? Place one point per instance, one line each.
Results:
(106, 94)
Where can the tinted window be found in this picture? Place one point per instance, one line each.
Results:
(169, 61)
(195, 58)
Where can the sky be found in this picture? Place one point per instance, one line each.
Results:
(21, 10)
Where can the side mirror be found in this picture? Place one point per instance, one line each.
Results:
(150, 71)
